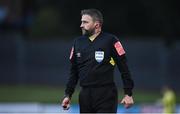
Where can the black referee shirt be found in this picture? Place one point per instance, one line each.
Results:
(92, 63)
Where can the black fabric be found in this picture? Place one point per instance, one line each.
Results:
(89, 71)
(98, 99)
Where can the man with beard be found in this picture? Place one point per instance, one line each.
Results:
(93, 57)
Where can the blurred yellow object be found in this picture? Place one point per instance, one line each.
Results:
(169, 101)
(112, 61)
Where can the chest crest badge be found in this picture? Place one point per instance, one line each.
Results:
(99, 56)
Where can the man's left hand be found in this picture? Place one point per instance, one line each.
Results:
(127, 101)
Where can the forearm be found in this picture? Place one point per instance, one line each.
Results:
(72, 82)
(126, 75)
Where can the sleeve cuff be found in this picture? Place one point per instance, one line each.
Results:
(66, 95)
(128, 91)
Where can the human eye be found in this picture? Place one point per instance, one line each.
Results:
(84, 22)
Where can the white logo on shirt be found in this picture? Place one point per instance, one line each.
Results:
(78, 54)
(99, 56)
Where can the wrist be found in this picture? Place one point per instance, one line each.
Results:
(67, 96)
(128, 91)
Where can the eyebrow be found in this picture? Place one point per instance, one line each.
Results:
(84, 21)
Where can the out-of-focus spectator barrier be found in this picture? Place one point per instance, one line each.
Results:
(47, 62)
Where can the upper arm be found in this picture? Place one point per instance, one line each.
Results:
(117, 48)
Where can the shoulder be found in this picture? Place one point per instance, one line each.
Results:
(106, 34)
(110, 37)
(79, 39)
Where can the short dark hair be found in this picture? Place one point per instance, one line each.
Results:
(94, 13)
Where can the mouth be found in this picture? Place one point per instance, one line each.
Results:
(86, 32)
(83, 31)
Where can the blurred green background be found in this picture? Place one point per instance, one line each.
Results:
(51, 94)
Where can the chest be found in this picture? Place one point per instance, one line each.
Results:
(98, 50)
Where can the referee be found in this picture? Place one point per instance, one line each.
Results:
(93, 57)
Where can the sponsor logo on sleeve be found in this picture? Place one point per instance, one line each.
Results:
(119, 48)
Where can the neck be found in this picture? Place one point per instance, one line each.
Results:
(97, 32)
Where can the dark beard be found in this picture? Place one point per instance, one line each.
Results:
(87, 33)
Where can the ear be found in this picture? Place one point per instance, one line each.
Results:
(97, 24)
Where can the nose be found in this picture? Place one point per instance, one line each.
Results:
(81, 25)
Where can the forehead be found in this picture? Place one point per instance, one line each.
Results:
(86, 18)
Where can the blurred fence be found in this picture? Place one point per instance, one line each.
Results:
(46, 62)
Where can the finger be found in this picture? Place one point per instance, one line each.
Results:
(130, 102)
(66, 101)
(66, 104)
(122, 102)
(127, 105)
(66, 107)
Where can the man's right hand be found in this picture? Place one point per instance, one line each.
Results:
(66, 103)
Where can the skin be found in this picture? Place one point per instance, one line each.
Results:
(91, 27)
(127, 101)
